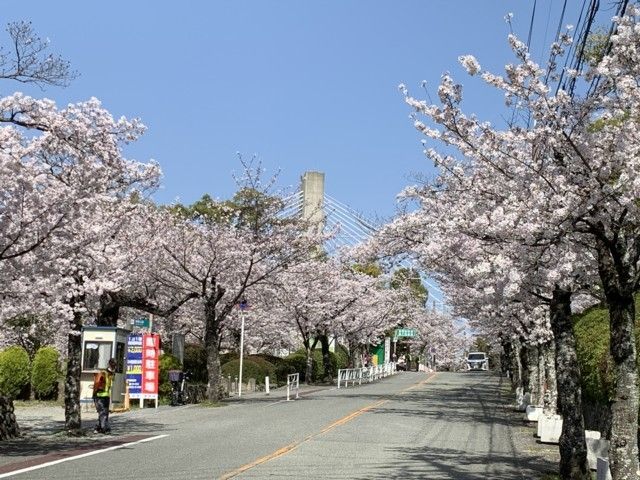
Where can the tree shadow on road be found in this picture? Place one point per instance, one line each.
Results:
(434, 464)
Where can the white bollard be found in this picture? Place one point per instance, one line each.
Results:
(266, 385)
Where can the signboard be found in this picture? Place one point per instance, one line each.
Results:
(143, 365)
(150, 365)
(141, 322)
(405, 332)
(134, 365)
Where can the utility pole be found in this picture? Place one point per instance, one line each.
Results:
(243, 306)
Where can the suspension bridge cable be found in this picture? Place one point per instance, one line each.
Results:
(353, 213)
(346, 216)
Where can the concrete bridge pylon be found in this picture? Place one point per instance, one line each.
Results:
(312, 187)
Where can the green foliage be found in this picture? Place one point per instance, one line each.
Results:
(31, 331)
(592, 345)
(298, 362)
(601, 123)
(410, 277)
(195, 362)
(596, 46)
(342, 357)
(45, 373)
(248, 209)
(251, 368)
(289, 365)
(371, 269)
(15, 371)
(266, 365)
(167, 362)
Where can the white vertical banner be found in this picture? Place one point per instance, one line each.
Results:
(387, 349)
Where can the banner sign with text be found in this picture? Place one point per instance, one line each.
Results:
(134, 364)
(150, 365)
(143, 351)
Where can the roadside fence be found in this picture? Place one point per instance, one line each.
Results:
(365, 374)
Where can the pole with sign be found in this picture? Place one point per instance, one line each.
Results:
(243, 306)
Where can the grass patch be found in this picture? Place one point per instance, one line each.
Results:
(550, 476)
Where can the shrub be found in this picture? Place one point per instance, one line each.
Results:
(268, 367)
(250, 369)
(45, 373)
(167, 362)
(195, 362)
(290, 365)
(342, 357)
(15, 371)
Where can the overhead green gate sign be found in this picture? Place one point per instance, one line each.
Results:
(405, 332)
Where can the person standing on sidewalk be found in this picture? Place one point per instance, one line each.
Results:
(102, 382)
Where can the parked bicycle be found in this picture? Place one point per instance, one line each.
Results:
(179, 391)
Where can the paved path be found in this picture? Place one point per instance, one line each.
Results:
(411, 425)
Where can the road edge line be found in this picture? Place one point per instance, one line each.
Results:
(76, 457)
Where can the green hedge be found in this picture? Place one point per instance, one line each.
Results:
(167, 362)
(592, 345)
(342, 357)
(292, 364)
(45, 373)
(15, 371)
(251, 368)
(297, 362)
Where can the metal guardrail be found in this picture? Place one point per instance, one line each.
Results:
(366, 374)
(293, 383)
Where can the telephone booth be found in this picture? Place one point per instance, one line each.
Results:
(99, 344)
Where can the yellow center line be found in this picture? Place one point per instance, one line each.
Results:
(292, 446)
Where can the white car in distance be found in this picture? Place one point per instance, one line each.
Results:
(477, 361)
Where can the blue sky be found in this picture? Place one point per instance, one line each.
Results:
(304, 85)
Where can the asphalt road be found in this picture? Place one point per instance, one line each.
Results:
(411, 425)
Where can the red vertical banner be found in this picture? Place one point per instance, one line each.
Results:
(150, 365)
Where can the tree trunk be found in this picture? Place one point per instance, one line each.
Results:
(326, 359)
(516, 365)
(505, 358)
(108, 310)
(616, 277)
(214, 386)
(623, 449)
(72, 416)
(523, 358)
(543, 352)
(551, 384)
(573, 447)
(212, 333)
(533, 374)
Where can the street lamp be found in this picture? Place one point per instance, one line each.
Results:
(243, 305)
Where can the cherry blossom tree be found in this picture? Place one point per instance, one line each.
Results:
(66, 177)
(220, 262)
(570, 177)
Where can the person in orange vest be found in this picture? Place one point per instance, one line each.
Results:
(102, 382)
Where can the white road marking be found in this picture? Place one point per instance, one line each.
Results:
(76, 457)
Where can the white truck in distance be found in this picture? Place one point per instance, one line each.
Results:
(477, 361)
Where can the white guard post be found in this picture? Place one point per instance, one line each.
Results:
(293, 381)
(266, 385)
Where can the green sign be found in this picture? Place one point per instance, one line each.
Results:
(405, 332)
(141, 322)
